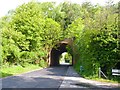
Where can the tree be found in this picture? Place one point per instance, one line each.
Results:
(29, 34)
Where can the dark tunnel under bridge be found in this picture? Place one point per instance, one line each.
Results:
(56, 52)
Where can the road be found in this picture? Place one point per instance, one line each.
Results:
(46, 78)
(52, 77)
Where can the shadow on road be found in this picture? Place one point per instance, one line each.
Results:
(56, 70)
(46, 78)
(27, 82)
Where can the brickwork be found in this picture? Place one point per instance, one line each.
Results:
(58, 50)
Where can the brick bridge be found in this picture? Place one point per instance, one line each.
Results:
(58, 49)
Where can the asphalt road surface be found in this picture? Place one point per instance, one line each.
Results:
(46, 78)
(59, 77)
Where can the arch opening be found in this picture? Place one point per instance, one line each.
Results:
(57, 52)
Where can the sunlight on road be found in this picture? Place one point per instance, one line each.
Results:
(63, 63)
(73, 80)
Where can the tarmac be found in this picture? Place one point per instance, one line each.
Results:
(73, 80)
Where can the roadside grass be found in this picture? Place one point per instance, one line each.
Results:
(14, 70)
(96, 78)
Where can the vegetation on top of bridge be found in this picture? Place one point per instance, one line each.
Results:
(32, 29)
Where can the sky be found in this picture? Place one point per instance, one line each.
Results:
(6, 5)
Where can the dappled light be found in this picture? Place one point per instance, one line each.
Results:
(65, 59)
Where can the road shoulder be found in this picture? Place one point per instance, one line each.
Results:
(73, 80)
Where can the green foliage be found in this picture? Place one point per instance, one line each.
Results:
(28, 35)
(43, 63)
(98, 45)
(14, 70)
(29, 32)
(68, 58)
(75, 29)
(51, 33)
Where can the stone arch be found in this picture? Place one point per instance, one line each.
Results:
(58, 49)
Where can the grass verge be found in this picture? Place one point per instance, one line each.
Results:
(14, 70)
(114, 80)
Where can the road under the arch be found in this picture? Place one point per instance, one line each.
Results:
(56, 53)
(58, 49)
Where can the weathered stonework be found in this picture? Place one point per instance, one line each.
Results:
(57, 50)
